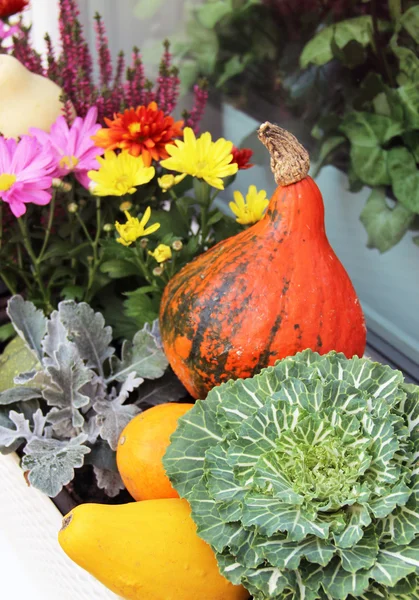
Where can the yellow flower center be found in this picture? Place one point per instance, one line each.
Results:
(69, 161)
(134, 128)
(6, 181)
(123, 183)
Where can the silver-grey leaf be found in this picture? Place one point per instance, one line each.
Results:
(29, 322)
(19, 394)
(51, 463)
(143, 357)
(87, 330)
(66, 380)
(56, 336)
(109, 481)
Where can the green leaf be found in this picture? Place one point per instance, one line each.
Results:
(284, 554)
(270, 515)
(197, 431)
(28, 321)
(6, 332)
(395, 9)
(339, 583)
(404, 177)
(118, 268)
(210, 13)
(140, 308)
(234, 66)
(51, 463)
(16, 359)
(142, 357)
(318, 51)
(385, 226)
(326, 149)
(408, 95)
(367, 132)
(396, 562)
(358, 518)
(410, 22)
(362, 555)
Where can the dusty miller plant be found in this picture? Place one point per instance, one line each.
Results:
(78, 396)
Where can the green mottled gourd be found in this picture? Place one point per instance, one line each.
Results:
(269, 292)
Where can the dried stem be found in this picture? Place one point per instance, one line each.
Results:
(290, 162)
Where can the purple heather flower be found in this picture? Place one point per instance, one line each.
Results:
(73, 147)
(26, 171)
(6, 34)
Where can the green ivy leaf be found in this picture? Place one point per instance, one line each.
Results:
(326, 150)
(409, 97)
(318, 51)
(385, 226)
(234, 66)
(404, 175)
(367, 133)
(210, 13)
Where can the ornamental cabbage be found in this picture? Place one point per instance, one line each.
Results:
(304, 480)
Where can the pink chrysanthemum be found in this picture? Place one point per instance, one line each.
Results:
(26, 171)
(73, 147)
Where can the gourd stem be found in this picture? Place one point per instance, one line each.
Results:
(290, 162)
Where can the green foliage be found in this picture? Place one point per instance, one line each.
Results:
(379, 117)
(320, 50)
(76, 399)
(303, 479)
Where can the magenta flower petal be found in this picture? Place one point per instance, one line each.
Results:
(73, 149)
(26, 170)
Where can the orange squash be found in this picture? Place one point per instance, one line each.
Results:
(266, 293)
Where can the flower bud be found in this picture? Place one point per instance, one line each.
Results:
(127, 205)
(144, 242)
(177, 245)
(61, 185)
(108, 227)
(73, 207)
(157, 271)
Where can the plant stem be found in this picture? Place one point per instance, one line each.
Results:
(377, 43)
(8, 284)
(49, 227)
(36, 271)
(203, 196)
(94, 243)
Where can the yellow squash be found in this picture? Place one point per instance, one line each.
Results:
(146, 551)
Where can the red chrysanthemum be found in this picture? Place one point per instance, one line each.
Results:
(143, 130)
(11, 7)
(242, 157)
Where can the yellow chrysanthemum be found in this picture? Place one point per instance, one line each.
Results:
(134, 228)
(162, 253)
(168, 181)
(119, 174)
(201, 158)
(251, 210)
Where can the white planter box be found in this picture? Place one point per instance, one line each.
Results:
(387, 284)
(33, 566)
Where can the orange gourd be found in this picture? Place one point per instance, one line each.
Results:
(266, 293)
